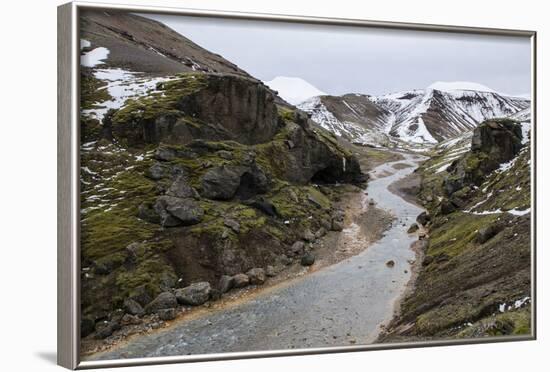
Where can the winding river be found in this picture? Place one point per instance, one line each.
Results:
(339, 305)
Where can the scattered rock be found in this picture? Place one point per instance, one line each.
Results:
(226, 283)
(106, 329)
(194, 294)
(390, 263)
(181, 188)
(132, 307)
(486, 233)
(165, 300)
(227, 155)
(221, 183)
(158, 171)
(147, 213)
(423, 218)
(320, 233)
(232, 224)
(308, 259)
(308, 236)
(270, 271)
(175, 211)
(337, 224)
(256, 276)
(414, 228)
(167, 314)
(129, 319)
(297, 248)
(446, 207)
(240, 280)
(141, 294)
(265, 207)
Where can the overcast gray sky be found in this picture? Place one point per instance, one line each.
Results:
(341, 60)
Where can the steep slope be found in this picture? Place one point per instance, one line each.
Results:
(475, 278)
(140, 44)
(293, 90)
(189, 177)
(440, 112)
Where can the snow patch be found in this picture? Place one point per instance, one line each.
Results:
(460, 85)
(94, 57)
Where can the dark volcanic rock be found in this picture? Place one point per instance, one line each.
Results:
(177, 211)
(105, 329)
(500, 139)
(486, 233)
(413, 228)
(180, 188)
(423, 218)
(446, 207)
(226, 182)
(165, 300)
(265, 207)
(308, 259)
(133, 307)
(195, 294)
(494, 142)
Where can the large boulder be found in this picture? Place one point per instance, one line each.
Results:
(194, 294)
(175, 211)
(227, 181)
(133, 307)
(181, 188)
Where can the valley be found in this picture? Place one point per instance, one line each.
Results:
(220, 213)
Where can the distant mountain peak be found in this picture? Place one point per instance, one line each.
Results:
(294, 90)
(460, 85)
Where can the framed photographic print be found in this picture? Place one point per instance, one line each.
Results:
(237, 185)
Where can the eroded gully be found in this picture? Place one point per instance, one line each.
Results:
(339, 305)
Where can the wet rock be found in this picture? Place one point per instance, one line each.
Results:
(297, 248)
(133, 307)
(390, 263)
(194, 294)
(308, 259)
(414, 228)
(87, 326)
(167, 314)
(256, 276)
(175, 211)
(165, 300)
(181, 188)
(423, 218)
(226, 283)
(240, 280)
(106, 329)
(232, 224)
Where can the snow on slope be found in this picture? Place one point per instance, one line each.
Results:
(294, 90)
(459, 85)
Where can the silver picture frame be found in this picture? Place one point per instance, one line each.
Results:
(68, 190)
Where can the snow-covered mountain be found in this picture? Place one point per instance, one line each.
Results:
(425, 116)
(294, 90)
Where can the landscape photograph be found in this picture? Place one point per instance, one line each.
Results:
(250, 185)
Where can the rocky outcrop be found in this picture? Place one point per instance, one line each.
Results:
(493, 143)
(208, 106)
